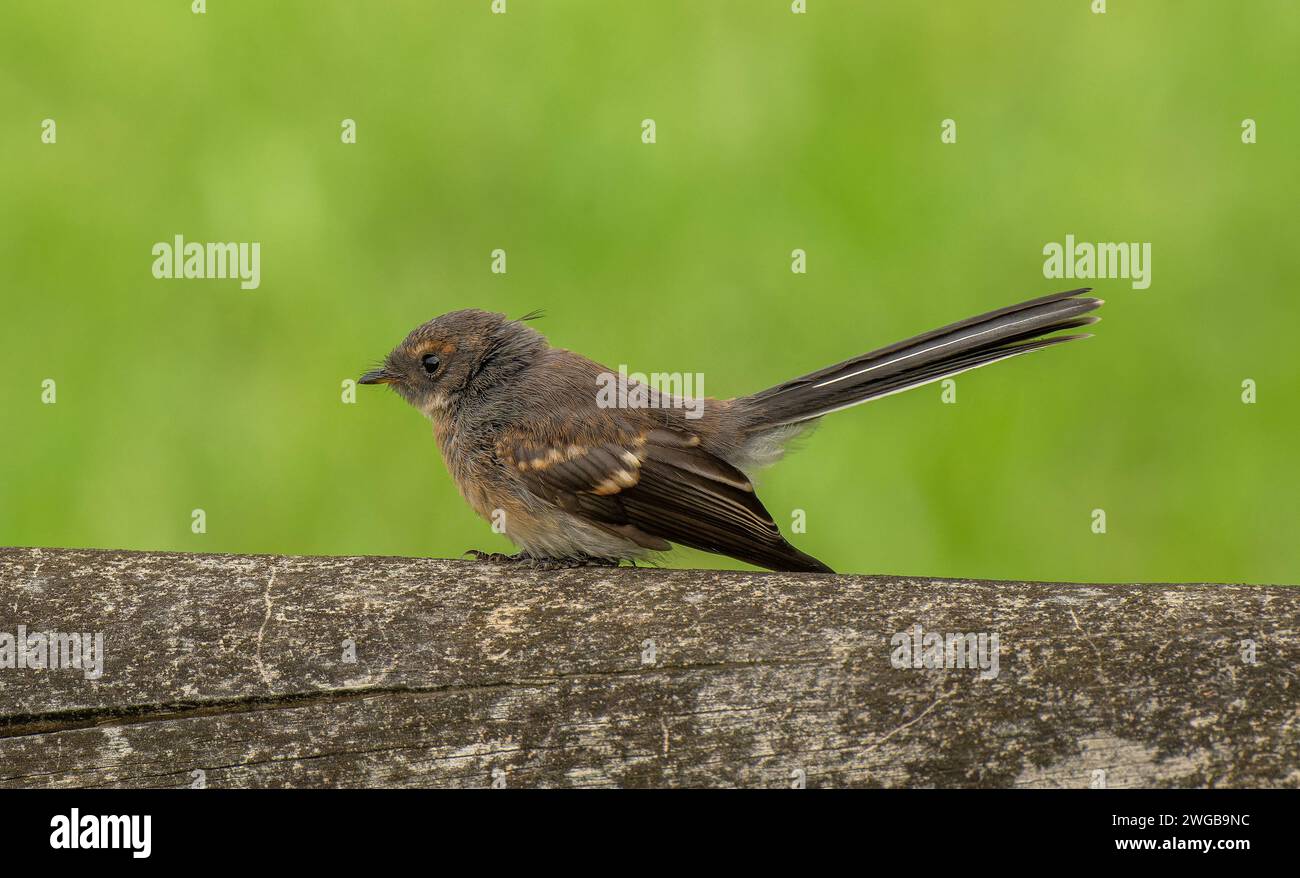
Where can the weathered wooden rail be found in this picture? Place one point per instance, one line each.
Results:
(238, 671)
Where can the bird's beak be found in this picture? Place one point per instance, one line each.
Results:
(377, 376)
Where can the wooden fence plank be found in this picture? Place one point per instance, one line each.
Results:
(235, 671)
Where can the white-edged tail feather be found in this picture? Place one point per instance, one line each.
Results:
(923, 359)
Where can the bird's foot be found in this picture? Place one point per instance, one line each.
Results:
(535, 562)
(571, 563)
(495, 557)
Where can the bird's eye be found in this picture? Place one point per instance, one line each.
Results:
(430, 363)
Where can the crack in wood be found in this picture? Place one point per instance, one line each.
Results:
(52, 722)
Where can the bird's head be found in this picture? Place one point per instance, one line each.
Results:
(455, 356)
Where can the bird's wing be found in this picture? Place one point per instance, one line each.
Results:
(657, 483)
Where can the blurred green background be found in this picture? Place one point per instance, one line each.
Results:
(775, 131)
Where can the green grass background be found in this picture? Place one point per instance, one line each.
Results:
(775, 131)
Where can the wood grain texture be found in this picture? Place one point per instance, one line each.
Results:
(232, 669)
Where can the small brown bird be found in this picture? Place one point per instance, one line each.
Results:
(532, 441)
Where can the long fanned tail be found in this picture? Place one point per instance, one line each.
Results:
(959, 347)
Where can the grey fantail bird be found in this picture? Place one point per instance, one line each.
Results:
(524, 434)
